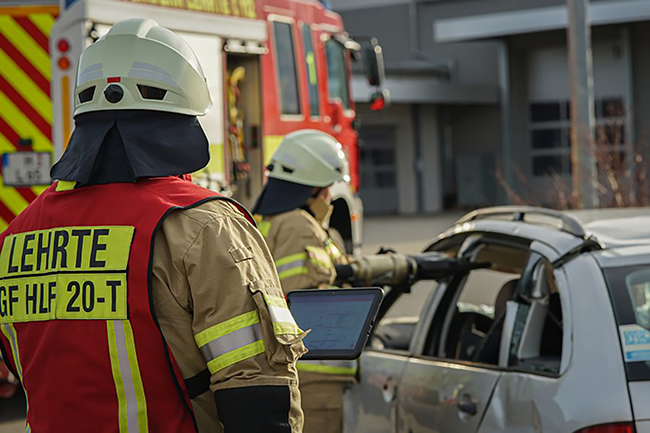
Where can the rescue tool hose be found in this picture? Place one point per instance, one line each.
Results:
(396, 269)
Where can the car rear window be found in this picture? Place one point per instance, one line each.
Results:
(629, 288)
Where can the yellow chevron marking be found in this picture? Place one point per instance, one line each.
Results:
(3, 225)
(11, 198)
(26, 87)
(25, 44)
(38, 189)
(5, 145)
(43, 21)
(22, 125)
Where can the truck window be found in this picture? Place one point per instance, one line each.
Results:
(337, 74)
(312, 74)
(286, 68)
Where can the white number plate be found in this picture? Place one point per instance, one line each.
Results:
(26, 168)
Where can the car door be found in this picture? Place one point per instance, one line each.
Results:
(371, 404)
(447, 386)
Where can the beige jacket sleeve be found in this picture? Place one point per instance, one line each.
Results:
(299, 244)
(240, 321)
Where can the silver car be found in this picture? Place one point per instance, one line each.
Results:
(553, 336)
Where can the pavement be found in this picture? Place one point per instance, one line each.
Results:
(404, 234)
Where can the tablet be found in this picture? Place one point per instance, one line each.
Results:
(340, 320)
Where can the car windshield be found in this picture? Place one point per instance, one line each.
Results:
(629, 288)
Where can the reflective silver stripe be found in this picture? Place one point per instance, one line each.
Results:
(127, 379)
(232, 341)
(281, 315)
(292, 265)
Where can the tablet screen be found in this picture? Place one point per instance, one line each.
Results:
(339, 319)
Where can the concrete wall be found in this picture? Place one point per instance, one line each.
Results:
(475, 62)
(431, 163)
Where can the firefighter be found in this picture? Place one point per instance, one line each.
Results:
(292, 212)
(131, 299)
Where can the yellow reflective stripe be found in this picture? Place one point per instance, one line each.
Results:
(43, 21)
(283, 321)
(24, 85)
(326, 369)
(140, 398)
(65, 185)
(293, 272)
(289, 259)
(282, 328)
(132, 405)
(9, 332)
(236, 356)
(319, 257)
(292, 265)
(28, 46)
(276, 301)
(332, 249)
(117, 378)
(264, 227)
(223, 328)
(318, 253)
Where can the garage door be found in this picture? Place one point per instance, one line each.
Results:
(378, 169)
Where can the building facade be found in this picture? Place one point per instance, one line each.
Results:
(480, 91)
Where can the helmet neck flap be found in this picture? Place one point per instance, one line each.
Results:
(126, 145)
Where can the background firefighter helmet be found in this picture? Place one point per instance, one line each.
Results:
(309, 157)
(139, 65)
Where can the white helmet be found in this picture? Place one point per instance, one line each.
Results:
(139, 65)
(309, 157)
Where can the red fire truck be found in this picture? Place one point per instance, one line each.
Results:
(273, 66)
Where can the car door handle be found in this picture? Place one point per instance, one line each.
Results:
(467, 405)
(389, 390)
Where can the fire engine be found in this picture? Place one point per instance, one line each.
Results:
(273, 66)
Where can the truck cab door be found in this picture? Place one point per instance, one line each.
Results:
(339, 107)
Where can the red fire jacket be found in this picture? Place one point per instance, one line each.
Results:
(76, 313)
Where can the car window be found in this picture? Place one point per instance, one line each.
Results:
(538, 334)
(481, 304)
(286, 68)
(395, 330)
(337, 74)
(312, 71)
(469, 320)
(629, 288)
